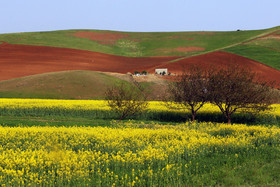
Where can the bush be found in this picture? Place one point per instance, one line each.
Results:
(126, 101)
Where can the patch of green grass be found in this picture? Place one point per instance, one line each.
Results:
(59, 114)
(162, 44)
(270, 43)
(264, 55)
(52, 121)
(60, 85)
(246, 170)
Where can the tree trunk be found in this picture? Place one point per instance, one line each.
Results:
(122, 117)
(229, 119)
(193, 116)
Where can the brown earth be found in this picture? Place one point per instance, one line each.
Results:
(97, 36)
(221, 59)
(24, 60)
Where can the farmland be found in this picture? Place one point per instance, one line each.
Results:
(133, 44)
(56, 129)
(78, 142)
(64, 64)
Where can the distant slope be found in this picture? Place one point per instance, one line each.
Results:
(265, 49)
(135, 44)
(60, 85)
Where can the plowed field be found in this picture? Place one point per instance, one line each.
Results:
(221, 59)
(23, 60)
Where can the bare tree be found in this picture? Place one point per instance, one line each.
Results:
(189, 91)
(126, 101)
(234, 89)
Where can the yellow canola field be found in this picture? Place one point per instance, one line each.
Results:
(130, 154)
(97, 105)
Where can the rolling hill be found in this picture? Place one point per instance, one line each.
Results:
(61, 85)
(46, 62)
(137, 44)
(265, 49)
(76, 85)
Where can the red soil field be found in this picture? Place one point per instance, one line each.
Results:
(221, 59)
(24, 60)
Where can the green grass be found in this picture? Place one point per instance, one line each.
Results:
(259, 169)
(60, 85)
(264, 55)
(52, 121)
(270, 43)
(84, 115)
(70, 85)
(136, 43)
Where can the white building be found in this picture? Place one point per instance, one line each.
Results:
(162, 71)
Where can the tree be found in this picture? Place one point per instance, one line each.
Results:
(189, 91)
(126, 101)
(144, 72)
(136, 72)
(234, 89)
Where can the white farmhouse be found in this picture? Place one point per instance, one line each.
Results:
(162, 71)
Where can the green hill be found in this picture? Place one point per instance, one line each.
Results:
(60, 85)
(137, 44)
(265, 49)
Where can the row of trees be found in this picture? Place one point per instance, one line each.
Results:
(231, 89)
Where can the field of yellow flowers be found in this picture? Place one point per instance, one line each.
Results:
(96, 109)
(126, 155)
(130, 153)
(92, 105)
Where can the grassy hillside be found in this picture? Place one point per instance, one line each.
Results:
(270, 57)
(135, 44)
(73, 85)
(58, 85)
(265, 49)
